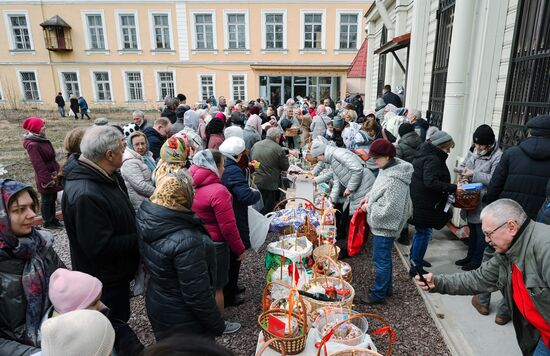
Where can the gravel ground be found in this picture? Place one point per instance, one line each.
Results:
(405, 311)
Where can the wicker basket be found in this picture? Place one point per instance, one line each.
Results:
(346, 302)
(466, 200)
(267, 344)
(292, 132)
(325, 250)
(348, 277)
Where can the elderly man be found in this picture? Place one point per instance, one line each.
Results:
(420, 125)
(520, 269)
(139, 119)
(157, 135)
(273, 161)
(100, 219)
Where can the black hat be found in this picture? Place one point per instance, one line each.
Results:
(405, 128)
(539, 125)
(484, 135)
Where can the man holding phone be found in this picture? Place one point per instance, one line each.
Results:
(520, 269)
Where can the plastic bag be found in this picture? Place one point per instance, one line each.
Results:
(258, 225)
(259, 205)
(357, 231)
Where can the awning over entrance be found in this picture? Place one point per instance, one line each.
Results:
(395, 44)
(300, 67)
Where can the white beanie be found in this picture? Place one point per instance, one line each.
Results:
(318, 146)
(232, 146)
(233, 131)
(78, 333)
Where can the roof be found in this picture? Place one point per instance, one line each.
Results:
(358, 68)
(395, 44)
(55, 21)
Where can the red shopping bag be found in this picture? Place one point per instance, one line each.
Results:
(358, 230)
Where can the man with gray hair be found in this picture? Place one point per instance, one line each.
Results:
(139, 119)
(520, 269)
(420, 125)
(100, 219)
(273, 160)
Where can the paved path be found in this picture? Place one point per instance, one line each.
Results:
(465, 331)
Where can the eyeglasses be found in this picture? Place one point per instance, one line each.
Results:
(489, 234)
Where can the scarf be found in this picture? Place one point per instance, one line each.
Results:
(30, 249)
(174, 191)
(205, 159)
(147, 157)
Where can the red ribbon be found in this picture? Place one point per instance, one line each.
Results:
(384, 330)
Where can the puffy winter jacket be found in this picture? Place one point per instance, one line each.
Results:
(42, 156)
(137, 177)
(155, 141)
(544, 212)
(13, 304)
(348, 173)
(250, 137)
(213, 204)
(407, 146)
(389, 206)
(273, 161)
(522, 175)
(180, 258)
(430, 188)
(100, 223)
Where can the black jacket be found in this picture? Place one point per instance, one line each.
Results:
(407, 147)
(392, 98)
(180, 258)
(60, 101)
(430, 187)
(74, 105)
(522, 175)
(169, 114)
(100, 224)
(155, 141)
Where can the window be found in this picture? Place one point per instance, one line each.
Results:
(279, 89)
(29, 86)
(236, 31)
(134, 86)
(274, 31)
(70, 83)
(204, 31)
(348, 31)
(128, 31)
(95, 31)
(165, 84)
(313, 31)
(20, 32)
(161, 29)
(206, 86)
(238, 87)
(102, 86)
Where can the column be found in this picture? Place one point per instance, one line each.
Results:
(398, 77)
(370, 80)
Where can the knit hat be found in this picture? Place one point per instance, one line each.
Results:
(237, 118)
(232, 146)
(484, 135)
(73, 290)
(318, 146)
(220, 115)
(539, 125)
(405, 128)
(233, 131)
(33, 124)
(100, 121)
(338, 122)
(174, 150)
(78, 333)
(439, 138)
(382, 148)
(215, 126)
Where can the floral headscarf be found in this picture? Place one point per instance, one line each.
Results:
(174, 191)
(173, 157)
(255, 122)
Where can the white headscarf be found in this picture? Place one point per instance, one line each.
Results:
(205, 159)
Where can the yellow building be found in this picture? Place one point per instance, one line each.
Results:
(133, 54)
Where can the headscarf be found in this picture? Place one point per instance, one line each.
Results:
(191, 120)
(255, 122)
(233, 131)
(215, 126)
(173, 157)
(174, 191)
(29, 249)
(321, 109)
(204, 159)
(147, 157)
(192, 138)
(318, 146)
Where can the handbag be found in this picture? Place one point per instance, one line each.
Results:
(358, 230)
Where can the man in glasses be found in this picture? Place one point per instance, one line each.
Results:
(520, 269)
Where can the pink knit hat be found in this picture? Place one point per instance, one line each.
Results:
(33, 124)
(72, 290)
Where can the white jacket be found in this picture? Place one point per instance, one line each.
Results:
(137, 177)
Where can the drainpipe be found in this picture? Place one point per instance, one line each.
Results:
(457, 75)
(369, 77)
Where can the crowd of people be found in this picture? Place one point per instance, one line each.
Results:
(163, 203)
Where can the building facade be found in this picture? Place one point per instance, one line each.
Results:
(122, 53)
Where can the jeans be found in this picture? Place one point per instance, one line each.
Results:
(381, 257)
(61, 110)
(476, 244)
(421, 239)
(47, 208)
(542, 349)
(485, 298)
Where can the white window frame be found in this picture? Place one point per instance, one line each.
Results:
(62, 80)
(245, 75)
(94, 85)
(84, 14)
(127, 88)
(339, 14)
(266, 12)
(152, 31)
(226, 13)
(22, 88)
(2, 97)
(323, 13)
(120, 37)
(199, 77)
(157, 81)
(194, 30)
(9, 31)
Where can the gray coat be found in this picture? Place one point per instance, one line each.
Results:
(483, 167)
(137, 177)
(250, 137)
(319, 125)
(348, 173)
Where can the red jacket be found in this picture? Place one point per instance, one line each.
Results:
(213, 203)
(42, 156)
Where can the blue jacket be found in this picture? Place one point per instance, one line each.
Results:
(155, 141)
(243, 196)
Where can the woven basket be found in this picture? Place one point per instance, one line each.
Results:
(292, 132)
(267, 344)
(346, 302)
(348, 277)
(325, 250)
(467, 200)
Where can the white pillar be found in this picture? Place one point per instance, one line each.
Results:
(398, 77)
(457, 75)
(370, 80)
(388, 77)
(417, 54)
